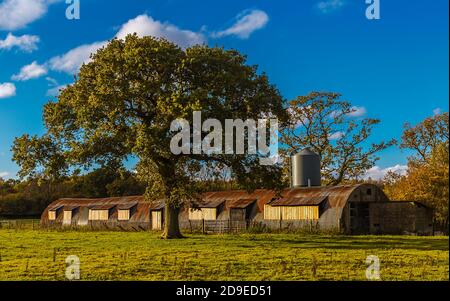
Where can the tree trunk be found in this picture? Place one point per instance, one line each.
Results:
(171, 224)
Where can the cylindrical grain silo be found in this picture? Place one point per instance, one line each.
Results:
(305, 169)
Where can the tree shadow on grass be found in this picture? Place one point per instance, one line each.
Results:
(372, 242)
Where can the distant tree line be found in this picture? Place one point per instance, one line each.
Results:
(30, 197)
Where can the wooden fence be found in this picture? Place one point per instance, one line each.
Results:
(20, 224)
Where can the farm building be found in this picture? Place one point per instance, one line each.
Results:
(351, 209)
(128, 213)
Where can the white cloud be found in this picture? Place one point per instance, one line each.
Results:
(145, 25)
(329, 5)
(71, 61)
(437, 111)
(4, 174)
(336, 136)
(357, 111)
(378, 173)
(16, 14)
(33, 70)
(7, 90)
(27, 43)
(51, 81)
(247, 22)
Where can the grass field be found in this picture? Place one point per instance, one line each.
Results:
(40, 255)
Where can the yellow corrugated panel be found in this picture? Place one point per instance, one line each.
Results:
(300, 212)
(291, 212)
(203, 213)
(123, 214)
(209, 213)
(67, 217)
(98, 215)
(273, 213)
(52, 215)
(195, 214)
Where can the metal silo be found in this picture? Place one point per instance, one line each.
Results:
(305, 169)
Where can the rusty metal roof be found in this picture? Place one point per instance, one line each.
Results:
(240, 203)
(261, 195)
(337, 195)
(207, 203)
(70, 208)
(102, 207)
(126, 206)
(156, 205)
(141, 214)
(298, 201)
(55, 208)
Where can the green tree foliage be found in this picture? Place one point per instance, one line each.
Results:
(123, 102)
(324, 122)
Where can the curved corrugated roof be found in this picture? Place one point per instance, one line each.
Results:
(107, 202)
(298, 201)
(337, 196)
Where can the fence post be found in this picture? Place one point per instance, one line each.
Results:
(203, 226)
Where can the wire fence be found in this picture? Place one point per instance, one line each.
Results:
(214, 226)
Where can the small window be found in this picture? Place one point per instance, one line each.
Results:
(369, 191)
(52, 215)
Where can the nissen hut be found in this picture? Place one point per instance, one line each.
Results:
(351, 209)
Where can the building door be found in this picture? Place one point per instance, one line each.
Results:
(359, 218)
(237, 214)
(157, 220)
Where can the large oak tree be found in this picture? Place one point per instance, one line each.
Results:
(123, 102)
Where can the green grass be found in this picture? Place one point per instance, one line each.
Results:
(40, 255)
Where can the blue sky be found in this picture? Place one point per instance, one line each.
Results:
(395, 68)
